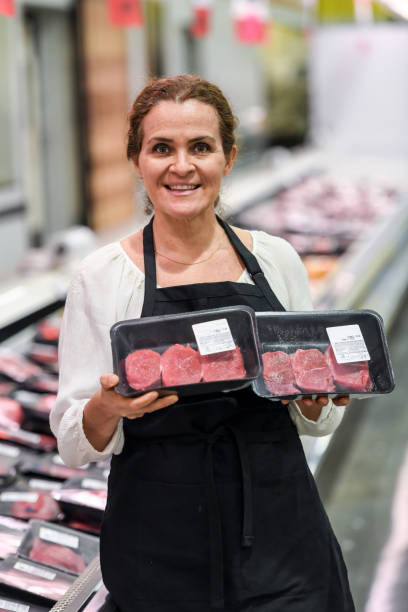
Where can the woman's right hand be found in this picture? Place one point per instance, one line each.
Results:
(130, 407)
(106, 407)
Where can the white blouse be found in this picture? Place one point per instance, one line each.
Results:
(108, 287)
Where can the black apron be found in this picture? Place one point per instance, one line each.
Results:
(211, 504)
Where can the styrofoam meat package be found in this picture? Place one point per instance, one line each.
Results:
(58, 547)
(34, 578)
(323, 352)
(191, 353)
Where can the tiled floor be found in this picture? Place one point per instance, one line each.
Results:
(364, 484)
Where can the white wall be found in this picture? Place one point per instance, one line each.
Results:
(359, 89)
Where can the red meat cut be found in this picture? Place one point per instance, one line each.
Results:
(143, 369)
(180, 365)
(57, 555)
(45, 508)
(227, 365)
(278, 374)
(312, 374)
(354, 376)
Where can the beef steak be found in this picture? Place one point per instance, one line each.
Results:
(180, 365)
(226, 365)
(354, 376)
(278, 374)
(312, 374)
(143, 369)
(57, 556)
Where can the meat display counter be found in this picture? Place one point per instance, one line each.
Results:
(367, 272)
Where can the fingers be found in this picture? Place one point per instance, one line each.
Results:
(146, 403)
(341, 400)
(108, 381)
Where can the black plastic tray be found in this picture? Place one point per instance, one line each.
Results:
(83, 545)
(158, 333)
(290, 331)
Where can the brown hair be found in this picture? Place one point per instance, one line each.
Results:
(179, 89)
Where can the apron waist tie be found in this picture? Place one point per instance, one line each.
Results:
(215, 526)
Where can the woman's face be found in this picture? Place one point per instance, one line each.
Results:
(181, 160)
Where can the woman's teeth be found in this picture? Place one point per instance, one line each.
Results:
(182, 187)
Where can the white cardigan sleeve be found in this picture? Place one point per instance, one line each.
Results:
(103, 290)
(287, 276)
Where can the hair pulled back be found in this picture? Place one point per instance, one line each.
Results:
(179, 88)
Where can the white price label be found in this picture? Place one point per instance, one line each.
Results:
(14, 496)
(8, 451)
(29, 436)
(59, 537)
(13, 606)
(44, 485)
(92, 483)
(213, 337)
(348, 343)
(34, 570)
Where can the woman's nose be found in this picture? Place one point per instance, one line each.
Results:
(182, 164)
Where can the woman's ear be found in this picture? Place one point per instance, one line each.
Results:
(230, 159)
(137, 167)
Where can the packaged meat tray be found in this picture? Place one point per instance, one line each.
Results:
(323, 352)
(84, 505)
(50, 465)
(58, 547)
(190, 353)
(29, 576)
(23, 504)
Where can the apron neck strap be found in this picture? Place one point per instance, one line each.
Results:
(150, 270)
(250, 261)
(253, 267)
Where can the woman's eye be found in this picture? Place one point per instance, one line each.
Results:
(161, 148)
(202, 147)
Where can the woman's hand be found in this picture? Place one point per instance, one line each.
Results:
(311, 408)
(106, 407)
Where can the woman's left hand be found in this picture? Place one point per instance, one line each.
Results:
(311, 408)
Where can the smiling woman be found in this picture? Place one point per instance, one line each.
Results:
(211, 504)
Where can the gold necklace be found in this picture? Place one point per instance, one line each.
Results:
(194, 263)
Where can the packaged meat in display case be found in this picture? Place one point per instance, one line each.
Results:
(50, 465)
(11, 534)
(31, 577)
(58, 547)
(84, 505)
(190, 353)
(29, 504)
(29, 439)
(331, 352)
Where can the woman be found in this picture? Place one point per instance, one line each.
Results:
(211, 504)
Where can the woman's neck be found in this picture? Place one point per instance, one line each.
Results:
(186, 239)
